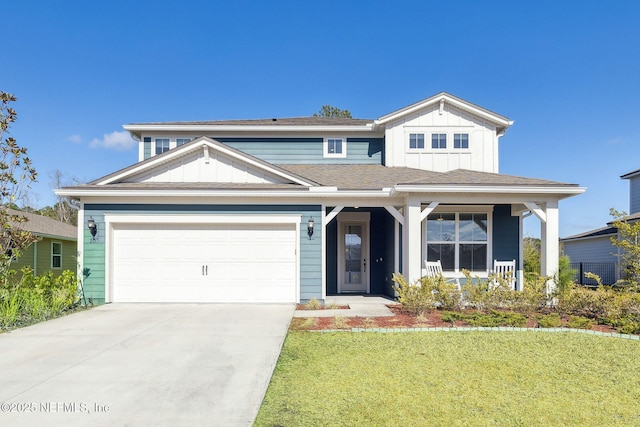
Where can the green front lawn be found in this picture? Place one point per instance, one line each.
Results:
(454, 379)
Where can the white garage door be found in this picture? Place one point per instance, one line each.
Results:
(204, 263)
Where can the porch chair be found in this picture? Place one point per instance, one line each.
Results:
(506, 270)
(434, 269)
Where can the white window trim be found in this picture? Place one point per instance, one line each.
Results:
(454, 209)
(155, 145)
(56, 255)
(424, 141)
(453, 141)
(427, 132)
(325, 148)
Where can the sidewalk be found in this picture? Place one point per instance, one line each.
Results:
(359, 306)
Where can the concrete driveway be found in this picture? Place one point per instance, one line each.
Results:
(142, 364)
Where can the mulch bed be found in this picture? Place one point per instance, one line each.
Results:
(400, 319)
(322, 307)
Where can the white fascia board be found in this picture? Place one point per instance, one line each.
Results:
(488, 189)
(246, 128)
(105, 192)
(494, 118)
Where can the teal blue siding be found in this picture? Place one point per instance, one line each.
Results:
(94, 260)
(309, 249)
(506, 235)
(307, 150)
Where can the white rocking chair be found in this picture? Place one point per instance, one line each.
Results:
(505, 270)
(434, 269)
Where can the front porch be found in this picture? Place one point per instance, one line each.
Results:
(366, 245)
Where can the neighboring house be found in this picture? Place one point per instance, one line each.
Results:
(289, 209)
(55, 250)
(592, 251)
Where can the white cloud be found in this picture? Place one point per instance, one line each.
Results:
(76, 139)
(114, 141)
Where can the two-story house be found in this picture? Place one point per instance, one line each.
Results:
(593, 252)
(289, 209)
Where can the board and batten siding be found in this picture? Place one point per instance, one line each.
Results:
(482, 154)
(596, 249)
(310, 249)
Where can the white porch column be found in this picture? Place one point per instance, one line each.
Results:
(412, 240)
(549, 236)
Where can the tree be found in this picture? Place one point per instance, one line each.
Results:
(61, 210)
(531, 255)
(330, 111)
(16, 176)
(628, 240)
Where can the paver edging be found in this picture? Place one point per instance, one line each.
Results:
(485, 329)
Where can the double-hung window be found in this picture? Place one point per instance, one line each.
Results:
(335, 147)
(438, 140)
(162, 145)
(416, 140)
(460, 140)
(459, 240)
(182, 141)
(56, 255)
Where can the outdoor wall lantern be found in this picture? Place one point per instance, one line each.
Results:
(310, 227)
(93, 228)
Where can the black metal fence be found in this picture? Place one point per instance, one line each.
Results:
(606, 271)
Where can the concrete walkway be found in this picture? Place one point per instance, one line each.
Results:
(359, 306)
(143, 365)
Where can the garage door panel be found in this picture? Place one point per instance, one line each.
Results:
(204, 263)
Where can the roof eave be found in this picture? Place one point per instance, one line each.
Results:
(137, 129)
(510, 189)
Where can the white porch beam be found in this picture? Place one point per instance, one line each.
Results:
(395, 213)
(550, 242)
(332, 214)
(537, 211)
(426, 211)
(411, 241)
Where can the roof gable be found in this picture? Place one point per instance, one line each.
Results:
(501, 122)
(204, 160)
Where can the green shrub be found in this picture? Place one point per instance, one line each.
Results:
(550, 321)
(30, 298)
(491, 319)
(415, 298)
(579, 322)
(426, 294)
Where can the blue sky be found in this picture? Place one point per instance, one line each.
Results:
(566, 72)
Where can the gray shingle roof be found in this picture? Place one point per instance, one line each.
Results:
(604, 231)
(287, 121)
(377, 176)
(45, 226)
